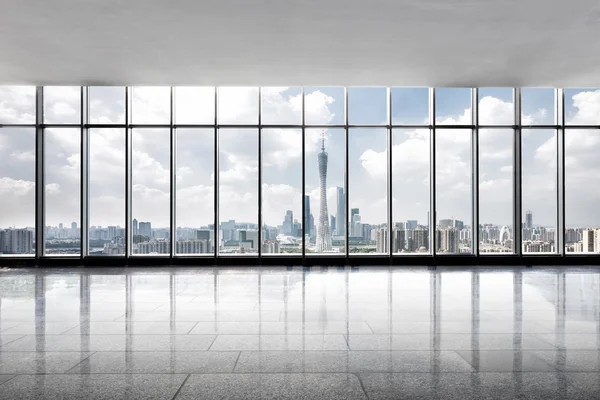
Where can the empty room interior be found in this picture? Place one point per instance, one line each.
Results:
(253, 199)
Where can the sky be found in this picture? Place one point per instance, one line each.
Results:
(282, 155)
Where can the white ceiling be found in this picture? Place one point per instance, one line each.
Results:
(301, 42)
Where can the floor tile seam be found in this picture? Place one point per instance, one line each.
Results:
(192, 328)
(9, 342)
(236, 362)
(76, 365)
(3, 331)
(360, 382)
(213, 342)
(181, 387)
(13, 377)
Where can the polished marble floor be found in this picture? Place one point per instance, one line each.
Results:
(300, 333)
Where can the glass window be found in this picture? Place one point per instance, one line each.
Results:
(367, 105)
(496, 106)
(17, 191)
(282, 191)
(538, 190)
(324, 105)
(325, 191)
(194, 105)
(582, 106)
(538, 106)
(582, 169)
(238, 105)
(496, 190)
(453, 106)
(106, 105)
(62, 159)
(238, 191)
(151, 105)
(195, 199)
(453, 168)
(107, 192)
(150, 190)
(410, 106)
(17, 104)
(62, 104)
(281, 105)
(410, 190)
(368, 188)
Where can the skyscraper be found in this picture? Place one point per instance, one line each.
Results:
(288, 223)
(323, 232)
(134, 227)
(307, 224)
(340, 217)
(528, 219)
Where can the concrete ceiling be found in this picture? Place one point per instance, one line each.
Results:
(301, 42)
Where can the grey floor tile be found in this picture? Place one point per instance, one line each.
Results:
(92, 387)
(278, 342)
(39, 362)
(6, 339)
(586, 383)
(158, 363)
(468, 386)
(272, 386)
(7, 325)
(45, 328)
(111, 343)
(505, 361)
(352, 361)
(572, 360)
(203, 315)
(140, 328)
(5, 378)
(573, 341)
(280, 328)
(573, 327)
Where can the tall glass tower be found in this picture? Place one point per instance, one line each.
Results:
(323, 231)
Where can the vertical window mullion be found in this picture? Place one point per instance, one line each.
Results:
(560, 184)
(432, 178)
(128, 174)
(172, 177)
(216, 228)
(84, 173)
(259, 236)
(517, 196)
(346, 180)
(475, 170)
(389, 175)
(304, 216)
(40, 218)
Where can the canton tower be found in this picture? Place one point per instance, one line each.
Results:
(323, 231)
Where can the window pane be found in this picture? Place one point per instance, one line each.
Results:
(411, 190)
(282, 191)
(582, 169)
(195, 191)
(496, 106)
(582, 106)
(325, 170)
(324, 105)
(281, 105)
(453, 106)
(62, 191)
(454, 173)
(410, 106)
(62, 104)
(107, 104)
(537, 106)
(238, 191)
(107, 192)
(194, 105)
(368, 178)
(496, 190)
(150, 189)
(17, 104)
(17, 190)
(151, 105)
(538, 190)
(367, 106)
(238, 105)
